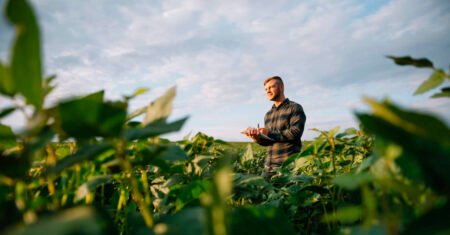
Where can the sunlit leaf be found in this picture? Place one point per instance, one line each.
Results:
(91, 185)
(161, 107)
(26, 68)
(407, 60)
(436, 79)
(248, 155)
(137, 92)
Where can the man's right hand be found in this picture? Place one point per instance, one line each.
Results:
(254, 132)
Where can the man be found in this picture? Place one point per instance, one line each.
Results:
(284, 125)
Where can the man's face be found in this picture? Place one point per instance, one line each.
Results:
(273, 90)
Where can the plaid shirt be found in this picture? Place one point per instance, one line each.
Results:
(285, 124)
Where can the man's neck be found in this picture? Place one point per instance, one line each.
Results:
(279, 101)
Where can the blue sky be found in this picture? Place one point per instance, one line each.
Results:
(218, 53)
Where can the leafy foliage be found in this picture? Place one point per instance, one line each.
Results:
(111, 174)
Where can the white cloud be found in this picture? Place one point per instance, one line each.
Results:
(218, 53)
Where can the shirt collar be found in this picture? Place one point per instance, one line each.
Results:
(285, 101)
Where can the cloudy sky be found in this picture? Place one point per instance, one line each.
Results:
(218, 53)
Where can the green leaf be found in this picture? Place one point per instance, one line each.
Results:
(6, 83)
(436, 79)
(423, 137)
(347, 132)
(244, 180)
(153, 129)
(348, 214)
(434, 221)
(6, 111)
(407, 60)
(85, 153)
(160, 108)
(260, 220)
(416, 123)
(445, 92)
(352, 181)
(7, 137)
(248, 155)
(186, 194)
(91, 185)
(47, 86)
(190, 221)
(77, 220)
(89, 116)
(136, 113)
(307, 152)
(139, 91)
(160, 155)
(315, 189)
(26, 68)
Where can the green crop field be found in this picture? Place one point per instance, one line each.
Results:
(110, 174)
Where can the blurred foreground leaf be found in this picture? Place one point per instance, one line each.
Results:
(26, 68)
(422, 136)
(89, 116)
(78, 220)
(153, 129)
(85, 153)
(160, 108)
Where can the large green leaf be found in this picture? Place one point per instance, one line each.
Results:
(78, 220)
(436, 79)
(160, 108)
(416, 123)
(153, 129)
(85, 153)
(6, 83)
(89, 116)
(421, 136)
(7, 137)
(407, 60)
(190, 221)
(26, 68)
(435, 221)
(189, 193)
(260, 220)
(352, 181)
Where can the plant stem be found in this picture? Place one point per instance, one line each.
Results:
(136, 195)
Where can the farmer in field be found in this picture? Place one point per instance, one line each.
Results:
(284, 124)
